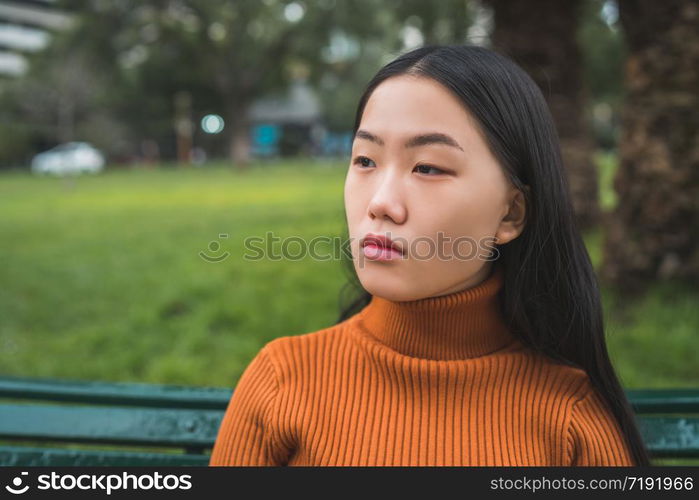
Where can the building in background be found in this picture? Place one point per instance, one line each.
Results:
(292, 125)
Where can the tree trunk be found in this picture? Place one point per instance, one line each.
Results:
(66, 119)
(240, 141)
(183, 126)
(541, 37)
(654, 231)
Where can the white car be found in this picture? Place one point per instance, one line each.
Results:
(68, 158)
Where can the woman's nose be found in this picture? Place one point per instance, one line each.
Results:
(387, 202)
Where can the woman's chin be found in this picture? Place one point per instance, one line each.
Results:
(396, 291)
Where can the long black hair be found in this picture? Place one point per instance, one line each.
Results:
(551, 299)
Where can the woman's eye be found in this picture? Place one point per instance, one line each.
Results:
(361, 160)
(427, 167)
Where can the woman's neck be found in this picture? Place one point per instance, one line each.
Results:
(459, 325)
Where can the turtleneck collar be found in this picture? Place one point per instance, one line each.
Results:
(459, 325)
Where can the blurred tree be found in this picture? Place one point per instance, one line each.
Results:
(601, 42)
(399, 26)
(134, 57)
(74, 89)
(542, 37)
(443, 22)
(253, 48)
(654, 230)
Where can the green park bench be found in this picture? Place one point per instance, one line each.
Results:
(53, 422)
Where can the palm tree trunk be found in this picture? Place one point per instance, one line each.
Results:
(654, 231)
(239, 139)
(541, 37)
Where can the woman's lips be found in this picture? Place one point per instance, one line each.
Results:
(373, 251)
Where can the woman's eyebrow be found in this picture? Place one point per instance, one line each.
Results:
(415, 141)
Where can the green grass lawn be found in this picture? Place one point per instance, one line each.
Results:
(102, 279)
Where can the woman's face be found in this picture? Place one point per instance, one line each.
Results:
(443, 199)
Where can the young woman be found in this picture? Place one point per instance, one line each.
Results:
(477, 338)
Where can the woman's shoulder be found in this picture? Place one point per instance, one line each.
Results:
(301, 345)
(570, 380)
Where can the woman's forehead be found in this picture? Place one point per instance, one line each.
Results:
(400, 109)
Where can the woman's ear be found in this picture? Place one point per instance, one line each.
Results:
(512, 223)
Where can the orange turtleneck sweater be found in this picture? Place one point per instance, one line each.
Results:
(435, 381)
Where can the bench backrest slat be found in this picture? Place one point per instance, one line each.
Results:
(671, 436)
(115, 393)
(85, 424)
(30, 457)
(178, 396)
(647, 401)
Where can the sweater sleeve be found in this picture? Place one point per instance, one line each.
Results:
(247, 435)
(594, 435)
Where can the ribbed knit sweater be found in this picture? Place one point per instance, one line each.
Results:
(435, 381)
